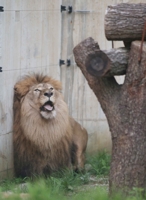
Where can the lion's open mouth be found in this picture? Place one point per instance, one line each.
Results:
(48, 106)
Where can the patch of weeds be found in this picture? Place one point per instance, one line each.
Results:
(100, 163)
(67, 180)
(68, 184)
(96, 193)
(138, 193)
(9, 184)
(41, 190)
(101, 194)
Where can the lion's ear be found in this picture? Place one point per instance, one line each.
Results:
(56, 84)
(20, 90)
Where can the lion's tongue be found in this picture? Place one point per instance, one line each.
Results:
(48, 107)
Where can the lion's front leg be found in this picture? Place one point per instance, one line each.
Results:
(80, 138)
(80, 160)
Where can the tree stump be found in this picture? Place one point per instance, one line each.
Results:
(125, 109)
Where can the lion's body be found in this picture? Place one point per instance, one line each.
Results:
(46, 138)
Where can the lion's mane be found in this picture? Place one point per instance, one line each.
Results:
(41, 146)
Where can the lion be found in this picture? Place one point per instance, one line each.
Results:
(46, 139)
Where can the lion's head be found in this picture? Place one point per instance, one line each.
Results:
(41, 94)
(41, 106)
(44, 98)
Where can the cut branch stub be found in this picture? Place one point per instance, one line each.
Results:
(103, 87)
(97, 64)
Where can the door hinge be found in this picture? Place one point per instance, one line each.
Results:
(63, 8)
(0, 69)
(68, 62)
(69, 9)
(1, 9)
(61, 62)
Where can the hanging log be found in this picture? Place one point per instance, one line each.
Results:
(104, 63)
(125, 21)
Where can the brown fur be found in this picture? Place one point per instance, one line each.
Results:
(44, 141)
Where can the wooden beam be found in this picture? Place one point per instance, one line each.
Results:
(125, 21)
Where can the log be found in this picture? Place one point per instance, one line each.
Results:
(105, 63)
(125, 21)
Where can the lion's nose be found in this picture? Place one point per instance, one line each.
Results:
(48, 94)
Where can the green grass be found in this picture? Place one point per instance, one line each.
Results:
(67, 180)
(100, 163)
(67, 184)
(10, 184)
(41, 191)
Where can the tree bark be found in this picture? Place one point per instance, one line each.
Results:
(128, 166)
(125, 21)
(107, 63)
(125, 109)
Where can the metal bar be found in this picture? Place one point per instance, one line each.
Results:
(143, 36)
(85, 11)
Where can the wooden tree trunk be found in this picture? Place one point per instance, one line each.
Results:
(125, 109)
(128, 167)
(125, 21)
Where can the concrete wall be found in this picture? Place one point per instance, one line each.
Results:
(30, 41)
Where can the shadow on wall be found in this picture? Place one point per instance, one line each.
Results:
(99, 140)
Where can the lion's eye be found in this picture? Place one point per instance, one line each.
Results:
(37, 90)
(51, 88)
